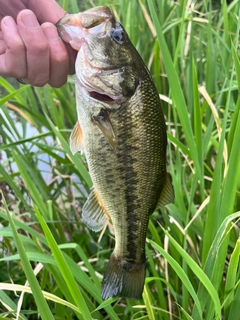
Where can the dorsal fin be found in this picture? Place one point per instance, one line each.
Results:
(76, 140)
(103, 122)
(94, 213)
(167, 194)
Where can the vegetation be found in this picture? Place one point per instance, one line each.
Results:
(51, 265)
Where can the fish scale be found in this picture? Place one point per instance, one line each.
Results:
(122, 132)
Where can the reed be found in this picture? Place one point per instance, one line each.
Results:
(51, 265)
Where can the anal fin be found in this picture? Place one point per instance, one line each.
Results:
(167, 194)
(94, 214)
(76, 141)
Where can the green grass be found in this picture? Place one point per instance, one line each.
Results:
(51, 265)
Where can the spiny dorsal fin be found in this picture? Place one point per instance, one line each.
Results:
(103, 122)
(76, 143)
(167, 194)
(94, 213)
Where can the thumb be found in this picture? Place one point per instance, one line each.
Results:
(46, 10)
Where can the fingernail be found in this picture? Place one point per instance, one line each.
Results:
(9, 22)
(29, 20)
(50, 32)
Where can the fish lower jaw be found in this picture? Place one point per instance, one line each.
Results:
(101, 97)
(92, 93)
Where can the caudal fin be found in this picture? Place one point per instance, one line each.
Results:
(123, 279)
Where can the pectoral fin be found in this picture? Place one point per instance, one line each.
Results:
(103, 122)
(94, 213)
(167, 194)
(76, 141)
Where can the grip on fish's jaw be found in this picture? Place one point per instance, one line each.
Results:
(95, 16)
(92, 20)
(87, 19)
(70, 30)
(68, 19)
(74, 27)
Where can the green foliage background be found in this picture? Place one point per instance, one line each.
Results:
(51, 265)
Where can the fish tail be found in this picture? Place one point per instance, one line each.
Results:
(123, 279)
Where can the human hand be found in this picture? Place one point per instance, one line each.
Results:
(32, 52)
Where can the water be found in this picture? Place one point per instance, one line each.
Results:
(45, 162)
(43, 159)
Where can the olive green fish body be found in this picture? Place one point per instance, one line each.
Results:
(122, 132)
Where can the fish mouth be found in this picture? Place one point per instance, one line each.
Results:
(73, 28)
(92, 85)
(101, 97)
(95, 93)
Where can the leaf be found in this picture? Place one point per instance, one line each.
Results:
(65, 271)
(232, 276)
(47, 295)
(36, 290)
(74, 158)
(176, 90)
(180, 272)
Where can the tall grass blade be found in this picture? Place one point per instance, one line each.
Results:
(42, 305)
(65, 271)
(201, 276)
(211, 264)
(182, 275)
(231, 278)
(74, 158)
(176, 90)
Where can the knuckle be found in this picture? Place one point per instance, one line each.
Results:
(61, 57)
(39, 82)
(58, 83)
(16, 68)
(40, 49)
(17, 46)
(58, 54)
(38, 79)
(20, 74)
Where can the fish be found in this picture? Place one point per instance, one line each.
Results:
(121, 130)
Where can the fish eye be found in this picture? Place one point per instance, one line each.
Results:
(118, 36)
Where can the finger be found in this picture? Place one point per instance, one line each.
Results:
(59, 59)
(3, 46)
(11, 8)
(72, 58)
(46, 10)
(38, 65)
(13, 59)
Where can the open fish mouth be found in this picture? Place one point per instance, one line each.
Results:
(92, 78)
(73, 28)
(94, 82)
(101, 97)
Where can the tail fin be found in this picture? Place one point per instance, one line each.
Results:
(123, 279)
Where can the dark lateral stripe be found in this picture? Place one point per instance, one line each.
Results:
(127, 157)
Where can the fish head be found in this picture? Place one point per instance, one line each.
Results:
(74, 28)
(106, 67)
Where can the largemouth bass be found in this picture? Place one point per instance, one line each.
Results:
(122, 132)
